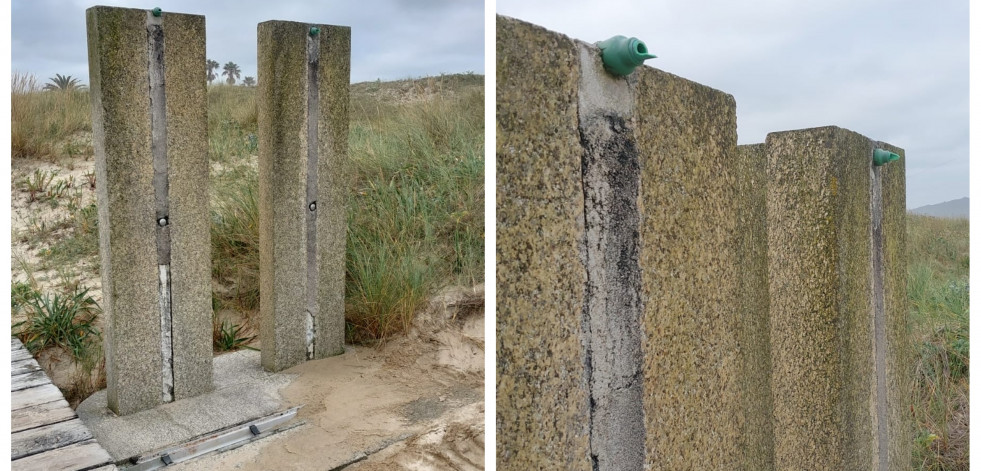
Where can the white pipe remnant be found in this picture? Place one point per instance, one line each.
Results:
(166, 337)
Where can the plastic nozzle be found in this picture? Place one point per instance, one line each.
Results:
(882, 157)
(621, 55)
(314, 31)
(157, 11)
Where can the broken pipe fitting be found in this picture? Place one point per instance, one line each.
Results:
(621, 55)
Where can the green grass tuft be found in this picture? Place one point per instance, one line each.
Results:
(66, 321)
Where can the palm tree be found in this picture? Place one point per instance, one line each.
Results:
(249, 81)
(212, 67)
(64, 83)
(231, 71)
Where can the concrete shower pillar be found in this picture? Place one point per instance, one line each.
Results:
(837, 266)
(150, 133)
(304, 76)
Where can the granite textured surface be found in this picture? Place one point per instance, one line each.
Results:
(119, 78)
(281, 99)
(190, 220)
(690, 278)
(333, 81)
(754, 332)
(619, 295)
(542, 384)
(119, 75)
(283, 145)
(822, 299)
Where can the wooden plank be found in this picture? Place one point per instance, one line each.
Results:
(34, 396)
(49, 437)
(24, 367)
(40, 414)
(82, 455)
(20, 354)
(110, 467)
(15, 343)
(30, 380)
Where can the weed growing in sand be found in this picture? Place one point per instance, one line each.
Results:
(38, 184)
(939, 307)
(56, 320)
(228, 336)
(20, 293)
(80, 243)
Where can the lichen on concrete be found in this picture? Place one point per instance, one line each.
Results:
(284, 117)
(542, 391)
(822, 299)
(686, 138)
(334, 79)
(190, 220)
(282, 100)
(119, 78)
(120, 72)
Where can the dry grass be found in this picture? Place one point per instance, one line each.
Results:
(46, 124)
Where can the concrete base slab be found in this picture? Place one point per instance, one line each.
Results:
(243, 391)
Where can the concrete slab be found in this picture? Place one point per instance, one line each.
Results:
(242, 391)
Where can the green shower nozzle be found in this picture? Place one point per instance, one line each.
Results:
(156, 11)
(621, 55)
(314, 31)
(882, 157)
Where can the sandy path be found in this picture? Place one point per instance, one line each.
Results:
(415, 403)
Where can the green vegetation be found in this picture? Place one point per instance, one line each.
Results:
(65, 321)
(63, 83)
(231, 71)
(416, 210)
(939, 307)
(43, 122)
(228, 336)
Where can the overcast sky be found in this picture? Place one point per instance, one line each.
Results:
(390, 39)
(895, 71)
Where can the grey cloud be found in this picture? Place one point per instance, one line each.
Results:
(413, 38)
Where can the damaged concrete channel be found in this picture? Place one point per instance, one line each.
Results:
(313, 112)
(158, 148)
(612, 308)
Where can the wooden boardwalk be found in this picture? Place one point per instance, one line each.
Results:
(45, 432)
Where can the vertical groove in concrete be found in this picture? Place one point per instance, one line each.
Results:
(313, 114)
(612, 307)
(879, 335)
(158, 149)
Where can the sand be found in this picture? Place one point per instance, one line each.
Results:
(415, 403)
